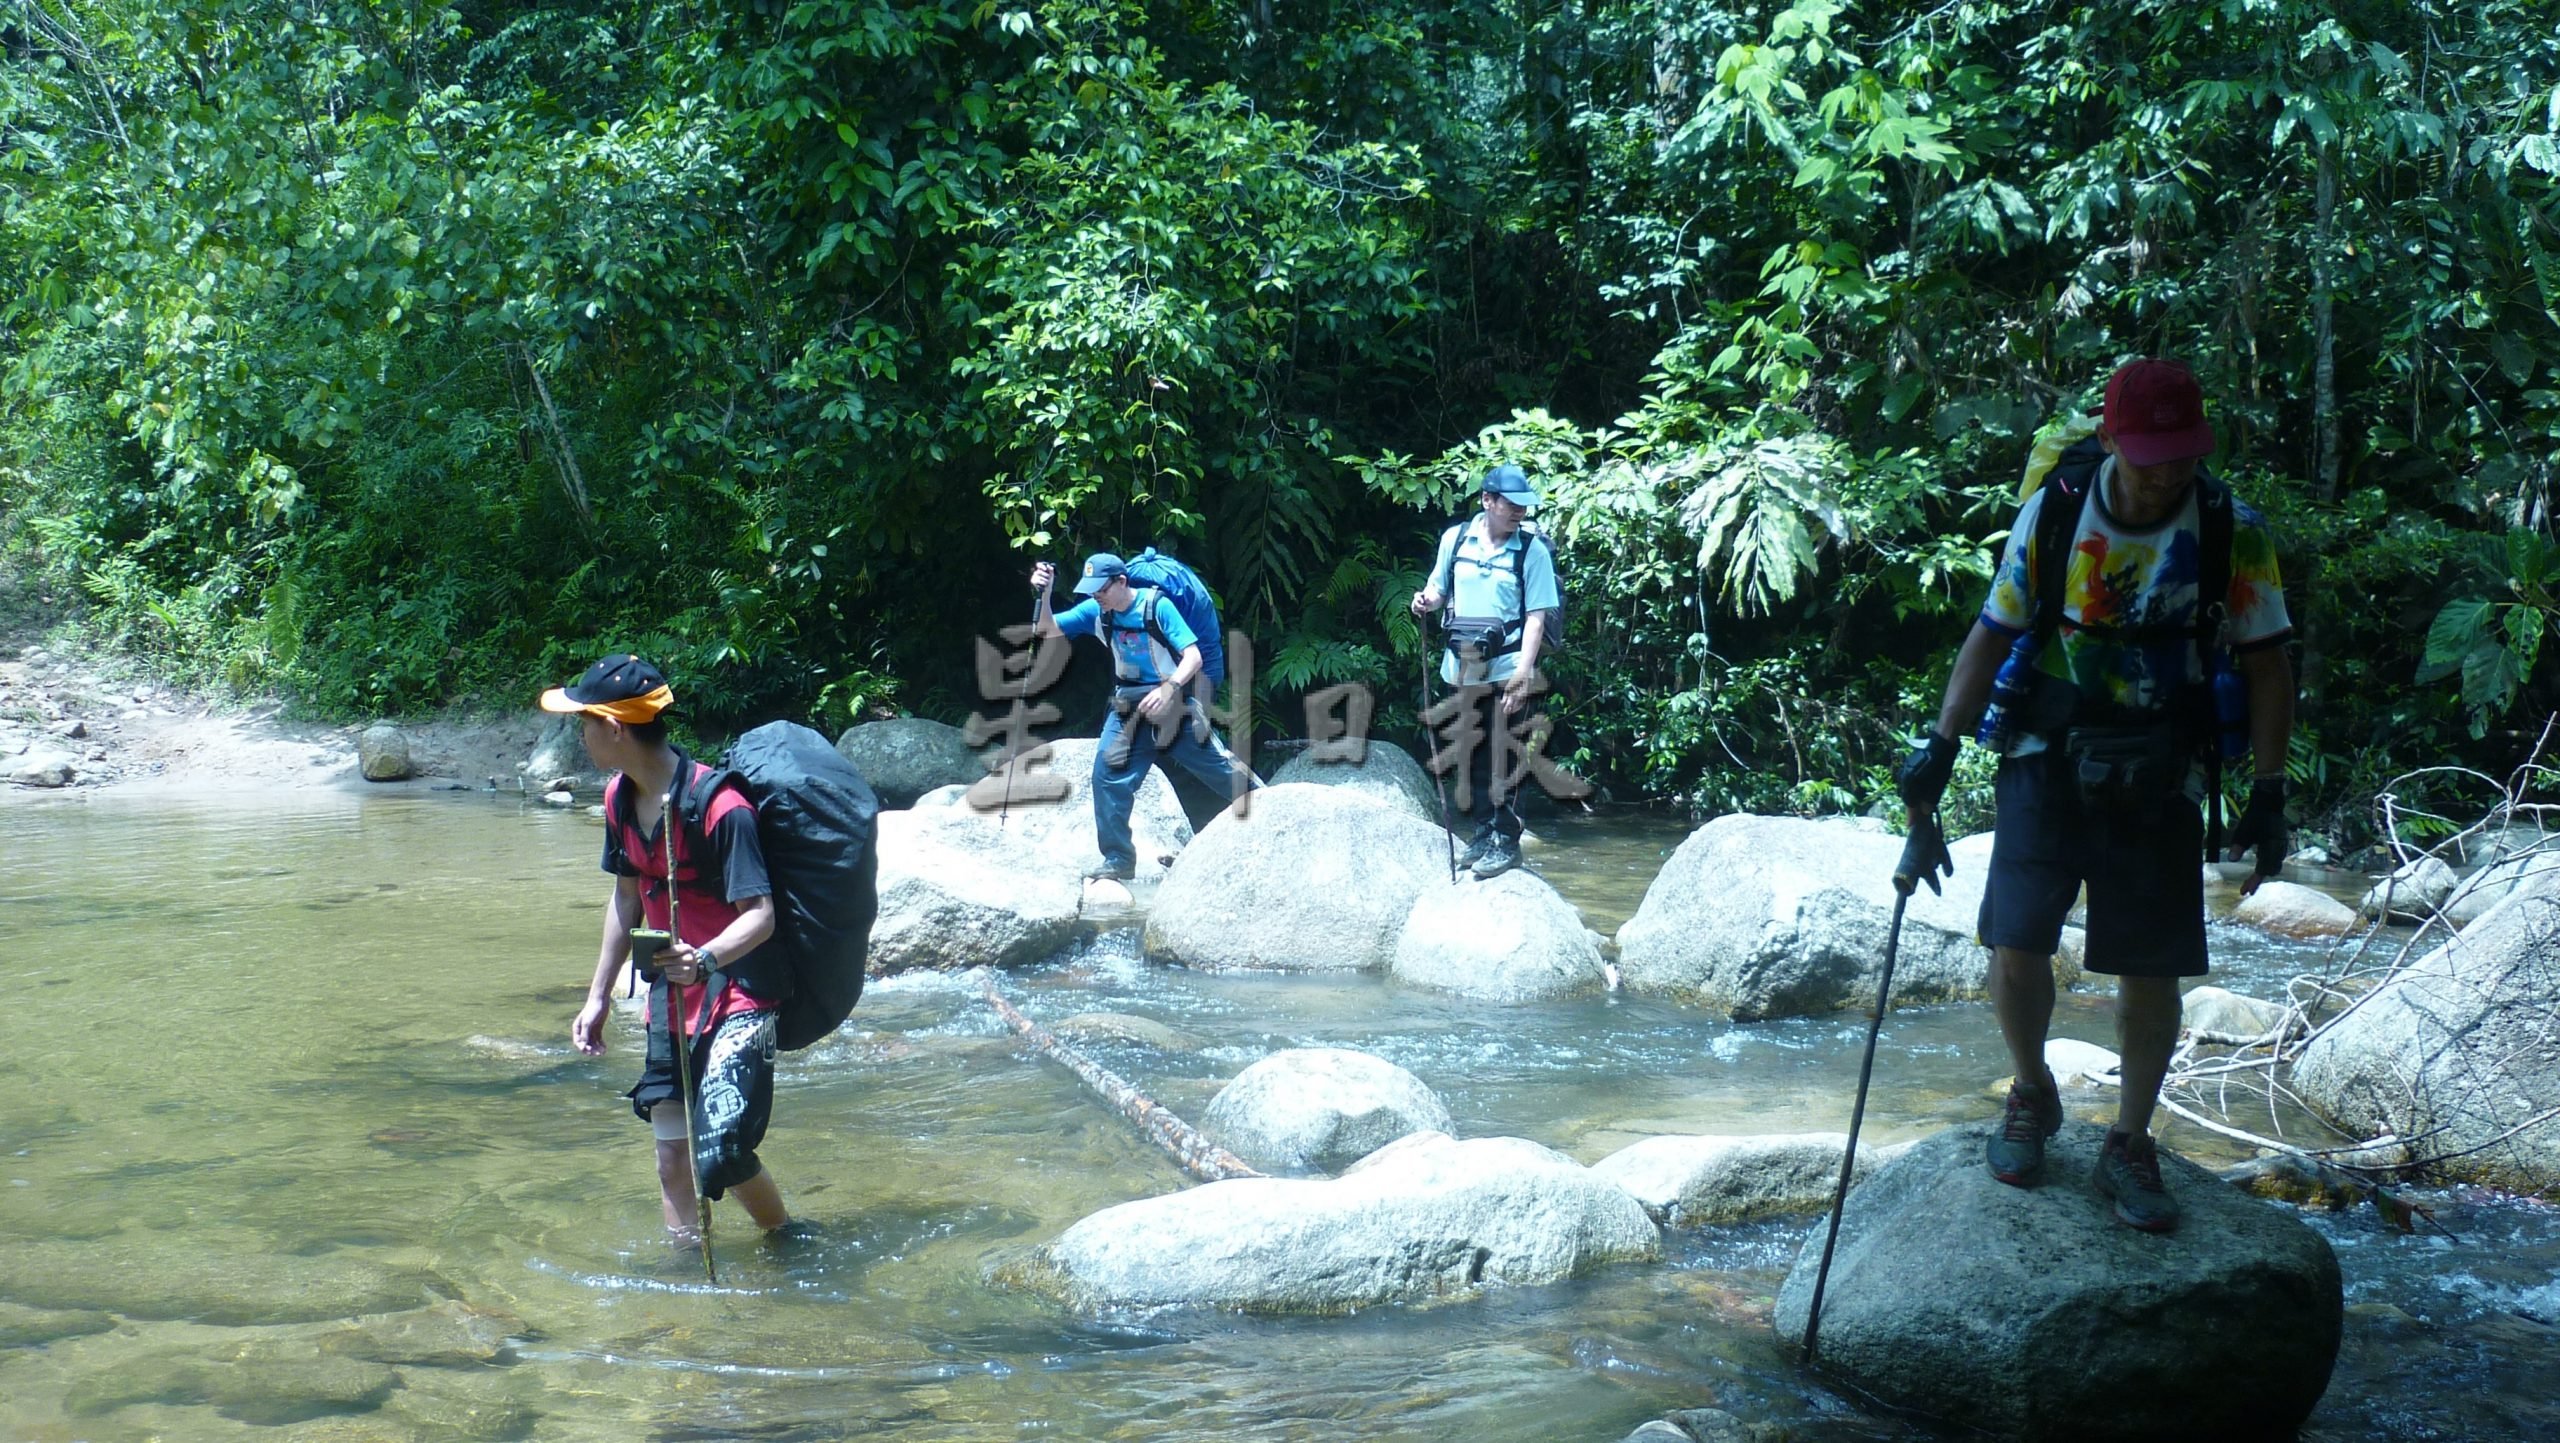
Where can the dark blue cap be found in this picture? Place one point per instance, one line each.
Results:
(1511, 484)
(1100, 570)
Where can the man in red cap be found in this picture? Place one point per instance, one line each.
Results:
(724, 905)
(2120, 597)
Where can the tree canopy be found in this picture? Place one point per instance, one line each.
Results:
(400, 353)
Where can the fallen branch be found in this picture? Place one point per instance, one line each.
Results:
(1198, 1156)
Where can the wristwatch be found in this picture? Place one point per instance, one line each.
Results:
(703, 959)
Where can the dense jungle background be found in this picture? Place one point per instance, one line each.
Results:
(400, 353)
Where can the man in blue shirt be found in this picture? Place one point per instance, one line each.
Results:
(1154, 657)
(1497, 578)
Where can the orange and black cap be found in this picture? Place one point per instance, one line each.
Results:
(620, 688)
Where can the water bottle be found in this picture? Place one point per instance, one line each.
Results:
(2230, 707)
(2009, 691)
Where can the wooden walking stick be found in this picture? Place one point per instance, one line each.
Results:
(677, 1039)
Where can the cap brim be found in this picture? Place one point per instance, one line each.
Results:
(2151, 448)
(557, 699)
(1092, 586)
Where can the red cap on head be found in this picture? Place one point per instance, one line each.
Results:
(2155, 413)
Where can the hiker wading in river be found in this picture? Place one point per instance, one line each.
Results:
(1154, 709)
(2135, 629)
(724, 905)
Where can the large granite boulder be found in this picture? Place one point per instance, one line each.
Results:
(2290, 909)
(382, 754)
(1779, 917)
(1691, 1181)
(905, 757)
(1385, 773)
(957, 894)
(558, 752)
(2496, 882)
(1511, 939)
(1425, 1219)
(2459, 1047)
(1303, 879)
(43, 767)
(1051, 809)
(2415, 891)
(2214, 1014)
(1320, 1108)
(2030, 1313)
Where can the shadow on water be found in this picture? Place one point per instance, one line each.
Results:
(305, 1101)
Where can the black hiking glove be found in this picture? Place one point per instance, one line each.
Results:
(1924, 855)
(2262, 826)
(1922, 777)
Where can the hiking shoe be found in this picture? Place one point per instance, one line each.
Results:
(1501, 854)
(1476, 846)
(2128, 1173)
(2016, 1152)
(1111, 872)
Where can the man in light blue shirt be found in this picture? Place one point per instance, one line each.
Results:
(1497, 579)
(1154, 656)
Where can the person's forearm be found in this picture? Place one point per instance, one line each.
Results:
(1533, 639)
(2269, 675)
(752, 928)
(1044, 621)
(1969, 685)
(1186, 670)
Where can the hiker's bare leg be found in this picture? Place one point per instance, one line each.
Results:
(762, 1200)
(675, 1191)
(2021, 986)
(2147, 1016)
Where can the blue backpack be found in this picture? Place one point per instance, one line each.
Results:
(1151, 570)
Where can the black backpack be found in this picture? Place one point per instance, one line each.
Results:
(816, 821)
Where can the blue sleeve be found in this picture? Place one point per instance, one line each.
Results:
(1538, 578)
(1177, 631)
(1082, 619)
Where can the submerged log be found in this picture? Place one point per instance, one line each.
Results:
(1198, 1156)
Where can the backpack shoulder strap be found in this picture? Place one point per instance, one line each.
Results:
(2214, 523)
(1520, 564)
(2065, 492)
(1453, 536)
(1148, 601)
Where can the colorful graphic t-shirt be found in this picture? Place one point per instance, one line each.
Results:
(2124, 578)
(1136, 659)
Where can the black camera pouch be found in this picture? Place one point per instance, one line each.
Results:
(2127, 772)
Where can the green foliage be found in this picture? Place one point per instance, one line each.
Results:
(402, 352)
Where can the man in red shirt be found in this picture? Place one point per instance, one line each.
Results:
(724, 910)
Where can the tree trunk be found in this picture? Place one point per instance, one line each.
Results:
(1198, 1156)
(2324, 336)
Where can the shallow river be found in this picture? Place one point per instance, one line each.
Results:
(275, 1064)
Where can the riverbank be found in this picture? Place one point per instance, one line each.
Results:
(76, 715)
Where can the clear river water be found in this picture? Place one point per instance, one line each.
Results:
(295, 1148)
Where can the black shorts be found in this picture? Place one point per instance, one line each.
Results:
(732, 1073)
(2145, 874)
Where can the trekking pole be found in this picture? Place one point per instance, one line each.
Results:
(677, 1040)
(1918, 853)
(1004, 811)
(1440, 784)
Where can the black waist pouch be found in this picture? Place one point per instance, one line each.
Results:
(2128, 771)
